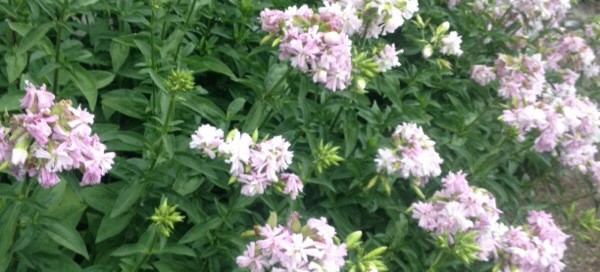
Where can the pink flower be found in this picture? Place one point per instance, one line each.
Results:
(293, 185)
(253, 183)
(208, 139)
(387, 58)
(482, 74)
(272, 20)
(252, 259)
(47, 178)
(37, 100)
(426, 215)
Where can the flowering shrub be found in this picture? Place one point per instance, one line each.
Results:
(353, 118)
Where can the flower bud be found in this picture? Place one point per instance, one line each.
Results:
(180, 81)
(353, 239)
(375, 253)
(427, 51)
(248, 233)
(19, 152)
(372, 182)
(165, 216)
(272, 220)
(361, 83)
(441, 29)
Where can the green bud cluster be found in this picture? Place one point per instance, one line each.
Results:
(180, 81)
(326, 156)
(371, 261)
(165, 217)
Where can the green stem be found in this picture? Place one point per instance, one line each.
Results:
(281, 79)
(170, 111)
(185, 27)
(437, 261)
(337, 116)
(146, 256)
(58, 42)
(163, 132)
(152, 56)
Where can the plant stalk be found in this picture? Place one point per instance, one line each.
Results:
(146, 256)
(58, 42)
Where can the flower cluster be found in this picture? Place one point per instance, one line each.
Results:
(50, 138)
(458, 208)
(254, 164)
(572, 52)
(314, 43)
(319, 42)
(294, 247)
(565, 121)
(536, 246)
(414, 155)
(532, 15)
(378, 17)
(482, 74)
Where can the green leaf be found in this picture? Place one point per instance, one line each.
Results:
(118, 54)
(178, 250)
(196, 163)
(127, 198)
(10, 101)
(128, 249)
(127, 102)
(15, 64)
(144, 48)
(8, 10)
(33, 37)
(9, 219)
(98, 197)
(85, 83)
(204, 107)
(208, 63)
(199, 231)
(67, 237)
(255, 116)
(21, 28)
(186, 187)
(102, 78)
(235, 106)
(111, 226)
(77, 4)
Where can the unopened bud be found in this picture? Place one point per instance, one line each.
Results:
(248, 233)
(255, 135)
(272, 220)
(180, 81)
(375, 253)
(361, 83)
(353, 239)
(441, 29)
(427, 51)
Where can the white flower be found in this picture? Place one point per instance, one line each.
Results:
(452, 44)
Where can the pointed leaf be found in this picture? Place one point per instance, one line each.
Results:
(67, 237)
